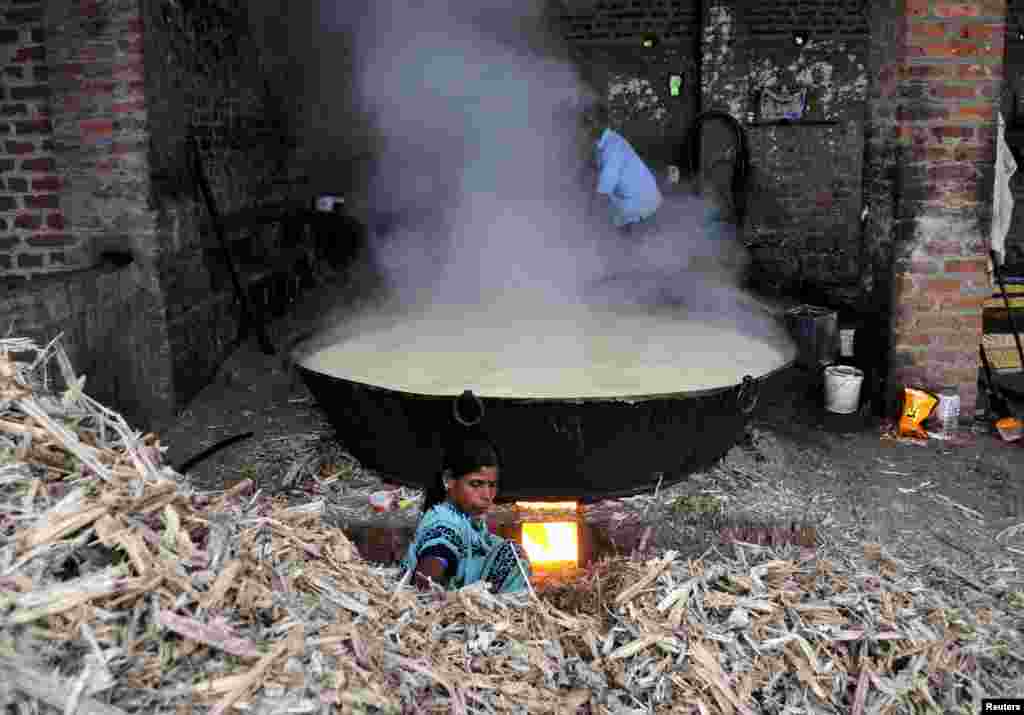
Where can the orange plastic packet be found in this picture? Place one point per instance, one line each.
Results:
(917, 405)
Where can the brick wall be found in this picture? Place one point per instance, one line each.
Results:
(948, 89)
(100, 123)
(34, 237)
(1012, 106)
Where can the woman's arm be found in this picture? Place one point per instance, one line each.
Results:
(430, 568)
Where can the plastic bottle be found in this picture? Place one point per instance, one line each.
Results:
(949, 411)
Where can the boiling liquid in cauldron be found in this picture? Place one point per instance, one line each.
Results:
(556, 353)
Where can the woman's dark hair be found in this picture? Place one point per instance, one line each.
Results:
(465, 453)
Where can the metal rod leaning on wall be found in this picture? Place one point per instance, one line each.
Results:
(248, 317)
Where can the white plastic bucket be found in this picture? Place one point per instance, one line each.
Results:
(842, 388)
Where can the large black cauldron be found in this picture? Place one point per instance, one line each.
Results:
(551, 449)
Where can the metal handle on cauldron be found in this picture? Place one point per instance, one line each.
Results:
(474, 403)
(746, 396)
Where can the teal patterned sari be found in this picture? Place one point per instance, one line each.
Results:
(471, 551)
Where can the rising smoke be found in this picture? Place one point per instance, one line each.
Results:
(479, 194)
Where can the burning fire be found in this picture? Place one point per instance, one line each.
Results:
(551, 544)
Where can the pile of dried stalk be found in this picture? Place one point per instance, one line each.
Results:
(121, 590)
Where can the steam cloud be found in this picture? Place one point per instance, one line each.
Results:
(476, 188)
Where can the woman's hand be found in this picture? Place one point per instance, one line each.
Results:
(429, 569)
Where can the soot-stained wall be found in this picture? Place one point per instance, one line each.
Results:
(607, 41)
(805, 192)
(207, 77)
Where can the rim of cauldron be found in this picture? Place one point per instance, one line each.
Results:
(561, 400)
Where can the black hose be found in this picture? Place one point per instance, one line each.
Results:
(210, 451)
(741, 162)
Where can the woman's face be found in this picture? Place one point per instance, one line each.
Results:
(474, 492)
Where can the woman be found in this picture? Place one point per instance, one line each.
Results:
(452, 546)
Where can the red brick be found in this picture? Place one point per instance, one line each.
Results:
(977, 31)
(960, 301)
(19, 147)
(954, 91)
(122, 72)
(98, 87)
(50, 239)
(136, 105)
(979, 71)
(28, 221)
(928, 29)
(940, 286)
(945, 8)
(46, 183)
(972, 112)
(122, 148)
(71, 69)
(911, 338)
(948, 132)
(929, 322)
(927, 72)
(131, 44)
(96, 127)
(30, 54)
(43, 164)
(967, 265)
(951, 172)
(45, 201)
(973, 153)
(992, 8)
(918, 8)
(55, 221)
(932, 153)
